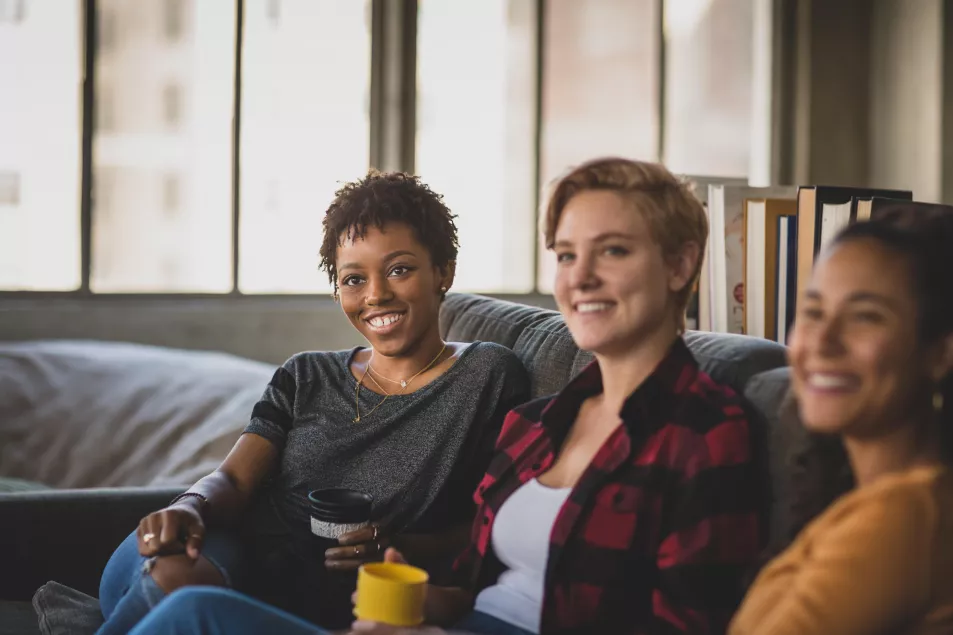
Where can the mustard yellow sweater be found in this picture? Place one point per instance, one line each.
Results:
(879, 561)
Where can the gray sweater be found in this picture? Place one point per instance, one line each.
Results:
(420, 455)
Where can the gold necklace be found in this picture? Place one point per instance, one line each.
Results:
(357, 392)
(377, 383)
(374, 371)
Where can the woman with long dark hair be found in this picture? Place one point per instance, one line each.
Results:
(871, 356)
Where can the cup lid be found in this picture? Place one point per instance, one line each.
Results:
(340, 504)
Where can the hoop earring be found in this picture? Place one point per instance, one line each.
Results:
(937, 401)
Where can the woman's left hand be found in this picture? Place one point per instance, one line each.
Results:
(374, 628)
(357, 547)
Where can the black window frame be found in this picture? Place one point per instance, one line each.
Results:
(392, 133)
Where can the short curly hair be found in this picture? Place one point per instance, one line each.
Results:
(389, 197)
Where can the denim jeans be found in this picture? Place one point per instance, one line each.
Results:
(213, 611)
(127, 591)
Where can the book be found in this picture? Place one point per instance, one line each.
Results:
(785, 275)
(726, 250)
(698, 312)
(762, 248)
(817, 202)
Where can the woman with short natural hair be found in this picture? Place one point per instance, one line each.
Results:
(409, 420)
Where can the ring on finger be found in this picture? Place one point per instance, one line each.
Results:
(357, 551)
(148, 537)
(376, 529)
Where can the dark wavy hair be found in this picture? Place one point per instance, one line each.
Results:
(389, 197)
(817, 463)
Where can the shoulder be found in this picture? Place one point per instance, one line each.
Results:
(309, 364)
(911, 499)
(488, 352)
(896, 512)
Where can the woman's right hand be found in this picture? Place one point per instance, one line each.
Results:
(172, 530)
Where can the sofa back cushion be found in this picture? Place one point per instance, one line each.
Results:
(110, 414)
(542, 341)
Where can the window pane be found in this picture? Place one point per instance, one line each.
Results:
(708, 80)
(305, 131)
(40, 131)
(476, 108)
(162, 183)
(600, 88)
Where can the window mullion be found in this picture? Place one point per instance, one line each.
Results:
(236, 145)
(86, 146)
(393, 98)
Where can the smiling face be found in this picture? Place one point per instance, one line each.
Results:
(389, 288)
(858, 367)
(613, 285)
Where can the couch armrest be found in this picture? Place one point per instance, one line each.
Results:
(68, 535)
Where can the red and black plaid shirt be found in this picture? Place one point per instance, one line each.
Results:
(661, 528)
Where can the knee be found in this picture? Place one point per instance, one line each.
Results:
(177, 571)
(188, 601)
(119, 572)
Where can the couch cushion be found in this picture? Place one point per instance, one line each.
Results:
(734, 359)
(469, 318)
(12, 485)
(550, 355)
(541, 340)
(768, 394)
(87, 414)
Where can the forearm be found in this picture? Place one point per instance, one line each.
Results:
(226, 502)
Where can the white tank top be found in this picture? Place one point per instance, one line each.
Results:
(520, 540)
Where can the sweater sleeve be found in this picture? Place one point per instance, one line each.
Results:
(868, 571)
(273, 415)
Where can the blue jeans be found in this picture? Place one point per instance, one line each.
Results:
(213, 611)
(127, 591)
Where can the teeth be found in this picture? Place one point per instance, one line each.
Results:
(384, 320)
(591, 307)
(819, 380)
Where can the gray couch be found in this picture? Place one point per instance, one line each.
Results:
(67, 535)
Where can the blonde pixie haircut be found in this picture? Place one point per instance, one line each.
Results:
(674, 215)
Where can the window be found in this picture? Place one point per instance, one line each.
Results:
(274, 11)
(509, 95)
(305, 131)
(600, 88)
(709, 81)
(12, 11)
(40, 132)
(173, 15)
(171, 105)
(476, 114)
(140, 237)
(105, 113)
(107, 30)
(171, 194)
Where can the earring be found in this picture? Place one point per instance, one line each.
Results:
(443, 289)
(937, 401)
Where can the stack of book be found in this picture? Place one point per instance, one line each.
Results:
(762, 244)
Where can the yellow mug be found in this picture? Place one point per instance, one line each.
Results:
(391, 593)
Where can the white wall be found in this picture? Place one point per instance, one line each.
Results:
(906, 96)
